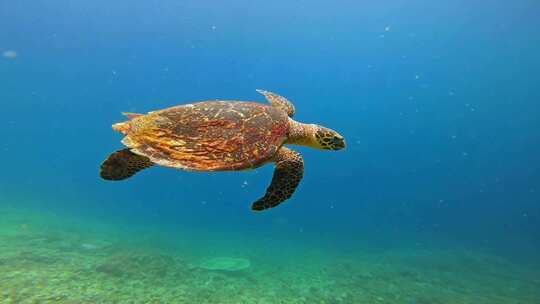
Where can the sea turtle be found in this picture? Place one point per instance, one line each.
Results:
(221, 136)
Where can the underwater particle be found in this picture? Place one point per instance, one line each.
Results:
(465, 154)
(224, 264)
(214, 27)
(10, 54)
(451, 93)
(387, 28)
(416, 76)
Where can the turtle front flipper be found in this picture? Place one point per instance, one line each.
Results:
(287, 175)
(279, 102)
(123, 164)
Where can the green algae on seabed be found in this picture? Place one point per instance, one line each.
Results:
(224, 264)
(44, 259)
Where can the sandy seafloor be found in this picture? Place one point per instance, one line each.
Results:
(48, 258)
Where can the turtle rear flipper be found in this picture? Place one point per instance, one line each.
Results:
(123, 164)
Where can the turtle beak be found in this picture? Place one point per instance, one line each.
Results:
(338, 142)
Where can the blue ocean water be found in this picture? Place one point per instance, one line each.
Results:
(437, 101)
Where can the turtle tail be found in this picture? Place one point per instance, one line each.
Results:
(122, 127)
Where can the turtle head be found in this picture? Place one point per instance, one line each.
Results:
(314, 136)
(327, 139)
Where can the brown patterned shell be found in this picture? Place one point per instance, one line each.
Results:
(209, 136)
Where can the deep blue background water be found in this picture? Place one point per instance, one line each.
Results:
(438, 101)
